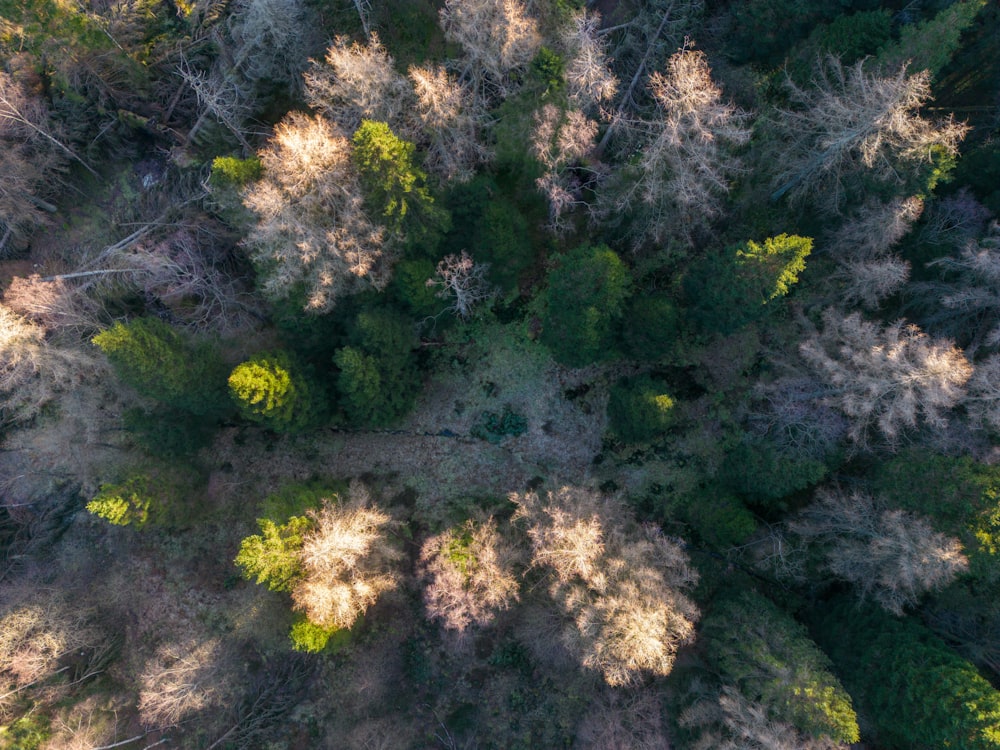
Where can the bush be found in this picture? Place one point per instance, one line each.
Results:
(228, 170)
(584, 299)
(409, 286)
(493, 427)
(310, 638)
(720, 520)
(639, 409)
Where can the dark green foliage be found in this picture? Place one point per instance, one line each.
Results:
(850, 37)
(771, 659)
(494, 427)
(764, 475)
(650, 326)
(639, 409)
(916, 692)
(364, 398)
(378, 379)
(492, 229)
(272, 390)
(730, 289)
(168, 434)
(764, 30)
(930, 45)
(409, 286)
(584, 299)
(980, 170)
(547, 71)
(718, 519)
(159, 363)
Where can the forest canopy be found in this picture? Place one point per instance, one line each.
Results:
(499, 374)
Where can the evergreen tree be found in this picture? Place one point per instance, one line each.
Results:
(269, 389)
(733, 288)
(393, 185)
(159, 363)
(771, 659)
(916, 692)
(378, 379)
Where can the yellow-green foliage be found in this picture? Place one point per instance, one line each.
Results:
(267, 390)
(773, 267)
(124, 504)
(238, 172)
(272, 557)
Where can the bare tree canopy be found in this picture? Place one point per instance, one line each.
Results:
(890, 555)
(686, 158)
(621, 585)
(886, 380)
(312, 232)
(852, 121)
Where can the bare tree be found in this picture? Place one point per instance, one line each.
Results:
(347, 561)
(892, 556)
(686, 157)
(464, 282)
(886, 379)
(868, 282)
(447, 124)
(312, 227)
(56, 304)
(623, 720)
(965, 302)
(589, 79)
(221, 97)
(270, 40)
(22, 111)
(359, 82)
(954, 220)
(873, 229)
(983, 400)
(470, 575)
(620, 584)
(851, 121)
(563, 142)
(32, 370)
(651, 31)
(182, 679)
(499, 39)
(29, 163)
